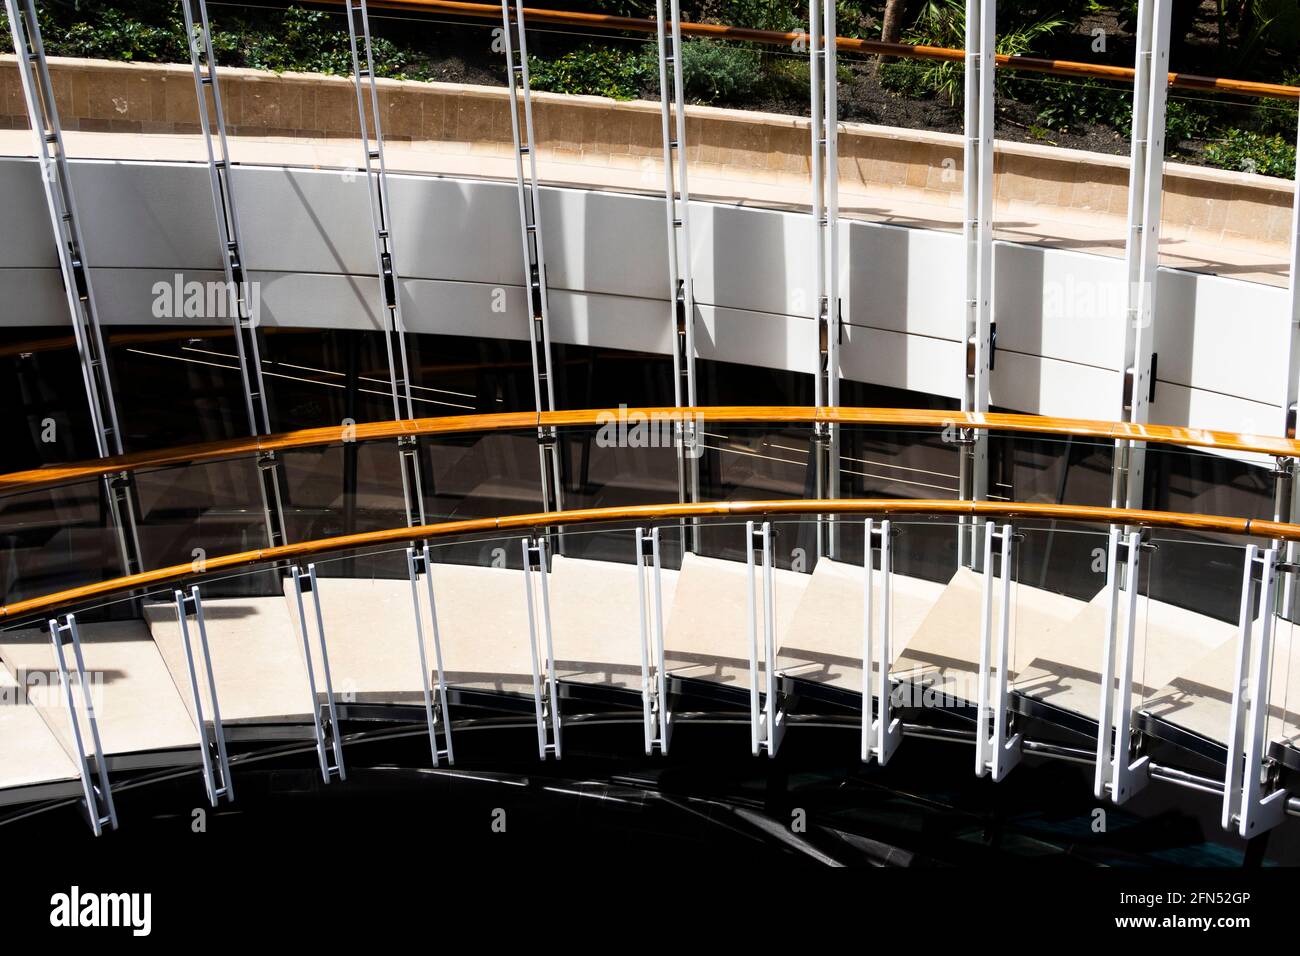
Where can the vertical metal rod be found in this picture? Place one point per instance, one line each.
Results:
(535, 550)
(311, 674)
(1106, 709)
(218, 727)
(1257, 728)
(879, 735)
(751, 617)
(1001, 713)
(868, 636)
(681, 287)
(642, 616)
(412, 574)
(775, 719)
(1127, 776)
(329, 680)
(977, 234)
(226, 786)
(986, 640)
(1142, 253)
(60, 204)
(386, 262)
(99, 800)
(437, 658)
(1234, 767)
(665, 712)
(514, 34)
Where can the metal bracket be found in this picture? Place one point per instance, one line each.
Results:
(1118, 774)
(435, 711)
(766, 713)
(408, 453)
(995, 754)
(656, 713)
(881, 735)
(546, 695)
(98, 798)
(1247, 808)
(330, 727)
(212, 748)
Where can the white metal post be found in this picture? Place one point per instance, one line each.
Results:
(98, 797)
(435, 711)
(1289, 504)
(60, 203)
(225, 210)
(514, 35)
(1247, 807)
(1142, 248)
(386, 270)
(677, 215)
(766, 715)
(977, 236)
(654, 685)
(546, 695)
(995, 751)
(881, 733)
(302, 583)
(824, 128)
(1116, 775)
(212, 749)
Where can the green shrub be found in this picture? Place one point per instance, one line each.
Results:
(118, 35)
(904, 77)
(594, 71)
(943, 23)
(1253, 152)
(719, 73)
(1064, 106)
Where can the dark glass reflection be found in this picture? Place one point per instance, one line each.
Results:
(47, 417)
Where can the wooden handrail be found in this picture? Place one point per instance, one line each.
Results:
(652, 513)
(603, 21)
(731, 414)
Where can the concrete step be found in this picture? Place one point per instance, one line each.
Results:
(256, 658)
(944, 651)
(138, 706)
(1066, 671)
(824, 641)
(595, 619)
(1198, 694)
(30, 752)
(708, 631)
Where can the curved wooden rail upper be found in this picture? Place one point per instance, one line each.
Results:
(602, 21)
(595, 417)
(49, 603)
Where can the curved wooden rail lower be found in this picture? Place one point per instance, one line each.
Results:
(653, 513)
(597, 417)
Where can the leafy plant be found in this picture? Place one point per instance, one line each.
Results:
(720, 73)
(1252, 152)
(594, 71)
(943, 23)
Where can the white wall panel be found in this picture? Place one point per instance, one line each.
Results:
(1060, 304)
(899, 360)
(1222, 335)
(1221, 342)
(1040, 386)
(26, 241)
(904, 280)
